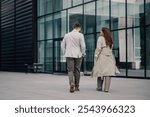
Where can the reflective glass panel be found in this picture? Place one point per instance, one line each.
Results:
(59, 24)
(49, 6)
(135, 61)
(75, 15)
(117, 14)
(87, 1)
(41, 6)
(49, 27)
(41, 53)
(148, 51)
(77, 2)
(102, 14)
(135, 13)
(66, 3)
(41, 29)
(147, 10)
(90, 49)
(119, 50)
(49, 56)
(89, 17)
(59, 59)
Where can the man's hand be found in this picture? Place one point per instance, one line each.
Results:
(83, 55)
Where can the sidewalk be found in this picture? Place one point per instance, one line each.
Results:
(21, 86)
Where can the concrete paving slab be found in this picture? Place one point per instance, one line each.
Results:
(21, 86)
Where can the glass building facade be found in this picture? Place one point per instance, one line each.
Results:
(129, 21)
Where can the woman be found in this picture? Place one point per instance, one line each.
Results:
(104, 61)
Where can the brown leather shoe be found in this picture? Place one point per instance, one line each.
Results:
(71, 88)
(77, 88)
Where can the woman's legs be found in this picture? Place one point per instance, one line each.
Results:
(99, 84)
(107, 83)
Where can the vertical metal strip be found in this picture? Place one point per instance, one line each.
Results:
(34, 30)
(14, 35)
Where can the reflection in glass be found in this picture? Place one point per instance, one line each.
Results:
(41, 51)
(49, 56)
(66, 3)
(148, 51)
(41, 29)
(136, 65)
(117, 14)
(87, 1)
(49, 6)
(147, 10)
(49, 27)
(41, 7)
(89, 17)
(57, 5)
(75, 15)
(77, 2)
(119, 50)
(102, 14)
(52, 28)
(59, 24)
(90, 49)
(59, 59)
(135, 13)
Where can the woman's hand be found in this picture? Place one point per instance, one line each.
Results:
(95, 60)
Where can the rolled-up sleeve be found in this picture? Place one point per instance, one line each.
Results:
(98, 47)
(63, 44)
(82, 42)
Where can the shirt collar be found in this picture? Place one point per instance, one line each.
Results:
(74, 30)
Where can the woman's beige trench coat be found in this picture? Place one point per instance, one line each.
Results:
(105, 64)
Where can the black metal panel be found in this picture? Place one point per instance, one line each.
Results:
(17, 30)
(0, 35)
(23, 29)
(7, 35)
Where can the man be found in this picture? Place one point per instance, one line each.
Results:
(73, 47)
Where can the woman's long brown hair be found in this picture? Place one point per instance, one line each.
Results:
(107, 36)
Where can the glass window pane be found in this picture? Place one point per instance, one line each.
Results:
(41, 29)
(117, 14)
(135, 48)
(58, 4)
(148, 51)
(102, 14)
(119, 50)
(89, 18)
(41, 55)
(61, 4)
(49, 27)
(135, 13)
(147, 10)
(59, 59)
(77, 2)
(59, 24)
(75, 15)
(41, 7)
(87, 1)
(66, 3)
(49, 56)
(90, 49)
(49, 6)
